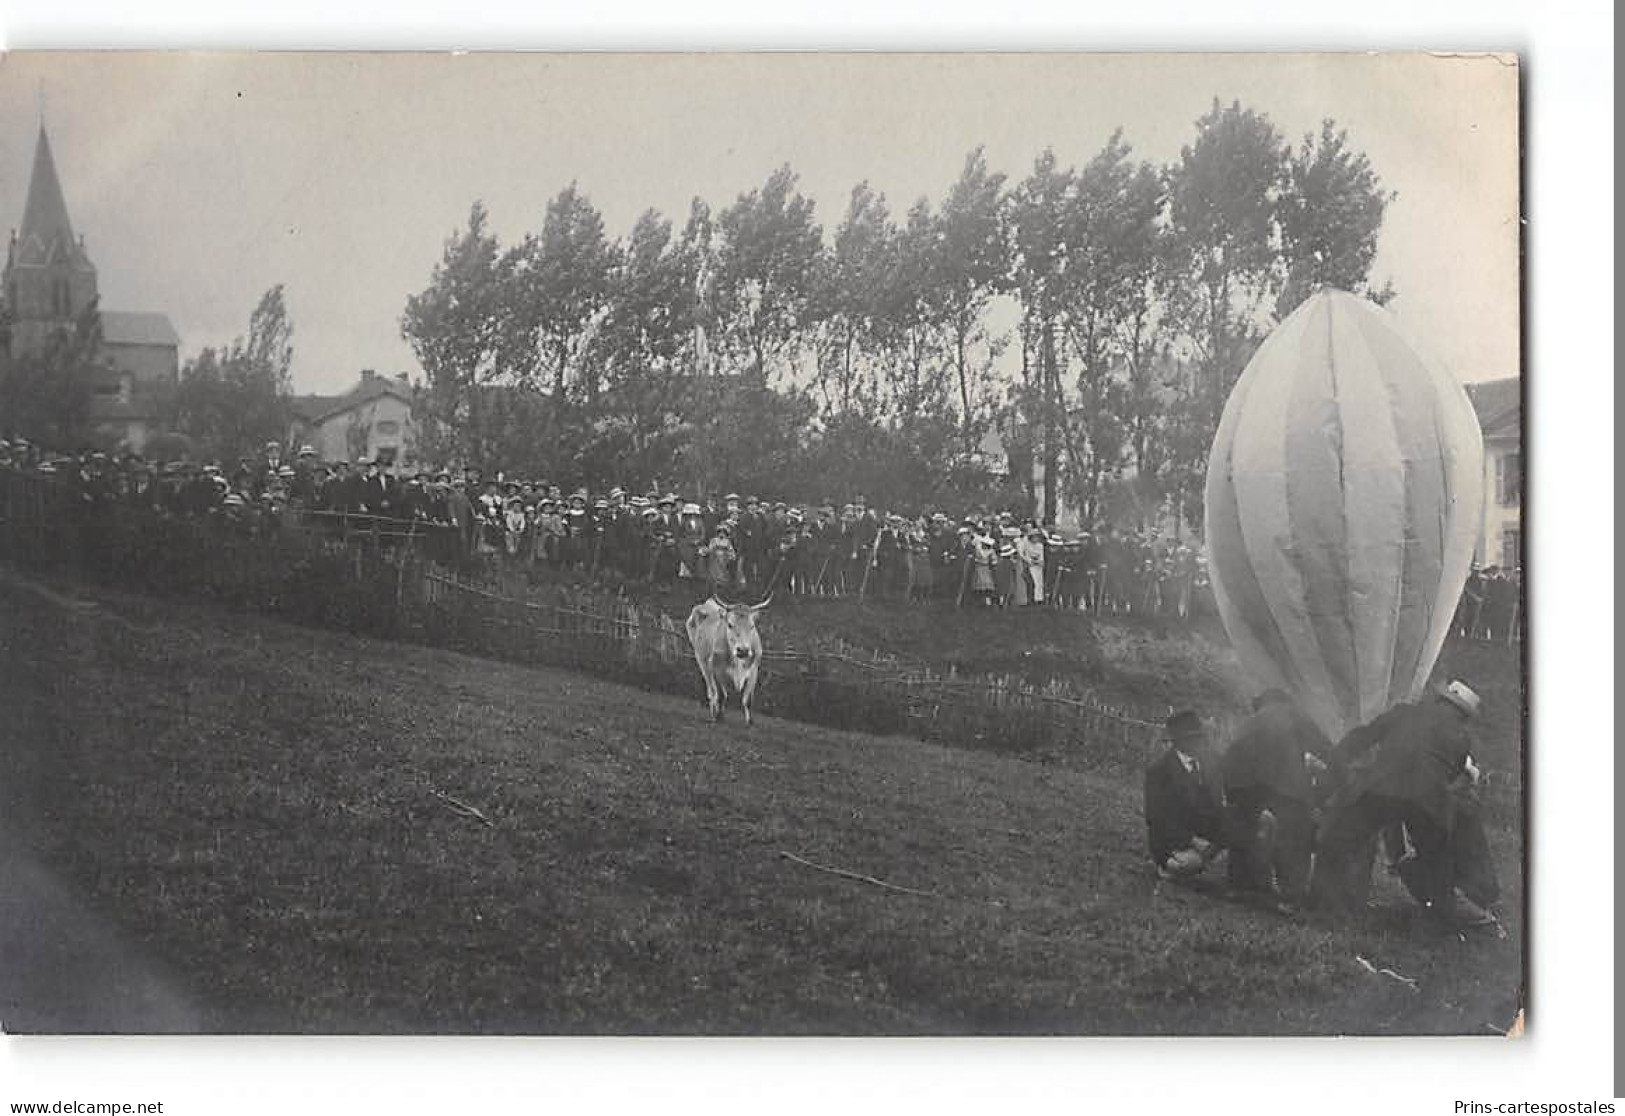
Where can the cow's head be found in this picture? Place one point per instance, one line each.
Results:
(739, 629)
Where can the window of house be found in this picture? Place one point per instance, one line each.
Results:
(386, 454)
(388, 428)
(1508, 478)
(1511, 548)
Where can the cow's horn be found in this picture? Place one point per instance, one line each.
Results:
(765, 602)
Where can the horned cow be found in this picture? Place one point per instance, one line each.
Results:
(728, 648)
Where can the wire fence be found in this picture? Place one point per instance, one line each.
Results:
(375, 576)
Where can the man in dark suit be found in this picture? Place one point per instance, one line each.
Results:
(344, 489)
(460, 514)
(1184, 802)
(372, 489)
(1270, 796)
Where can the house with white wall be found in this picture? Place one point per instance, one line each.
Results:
(1499, 404)
(371, 421)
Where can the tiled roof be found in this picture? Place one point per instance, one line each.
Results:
(312, 407)
(126, 327)
(318, 408)
(1499, 403)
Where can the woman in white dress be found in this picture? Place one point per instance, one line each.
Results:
(1030, 549)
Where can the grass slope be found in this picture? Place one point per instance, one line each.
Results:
(258, 806)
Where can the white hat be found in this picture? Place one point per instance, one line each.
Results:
(1460, 695)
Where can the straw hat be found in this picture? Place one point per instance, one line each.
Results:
(1461, 695)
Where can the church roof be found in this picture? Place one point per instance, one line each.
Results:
(133, 327)
(46, 234)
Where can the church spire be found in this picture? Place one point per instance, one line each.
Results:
(49, 280)
(46, 227)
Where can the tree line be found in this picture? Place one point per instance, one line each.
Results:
(1094, 315)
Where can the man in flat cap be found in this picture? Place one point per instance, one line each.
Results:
(1402, 775)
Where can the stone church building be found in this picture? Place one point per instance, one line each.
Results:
(49, 282)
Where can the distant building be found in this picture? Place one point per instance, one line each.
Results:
(1499, 404)
(49, 282)
(372, 420)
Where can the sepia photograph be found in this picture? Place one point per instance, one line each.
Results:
(763, 545)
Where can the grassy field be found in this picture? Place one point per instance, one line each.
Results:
(279, 815)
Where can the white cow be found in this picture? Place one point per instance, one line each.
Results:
(727, 646)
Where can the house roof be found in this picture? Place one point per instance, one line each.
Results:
(127, 327)
(319, 408)
(1499, 404)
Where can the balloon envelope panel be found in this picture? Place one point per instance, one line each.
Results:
(1343, 501)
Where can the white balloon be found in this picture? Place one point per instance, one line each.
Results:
(1343, 502)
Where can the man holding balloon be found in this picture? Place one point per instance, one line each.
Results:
(1408, 777)
(1270, 796)
(1342, 506)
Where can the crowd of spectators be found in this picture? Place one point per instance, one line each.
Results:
(733, 544)
(730, 543)
(1490, 608)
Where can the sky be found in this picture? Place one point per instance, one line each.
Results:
(200, 180)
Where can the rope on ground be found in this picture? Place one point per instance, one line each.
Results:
(859, 876)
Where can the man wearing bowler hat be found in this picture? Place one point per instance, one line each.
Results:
(1184, 801)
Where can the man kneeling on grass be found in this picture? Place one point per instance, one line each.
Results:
(1184, 802)
(1270, 797)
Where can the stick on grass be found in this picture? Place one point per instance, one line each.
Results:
(859, 876)
(458, 806)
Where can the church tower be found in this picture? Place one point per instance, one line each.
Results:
(49, 280)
